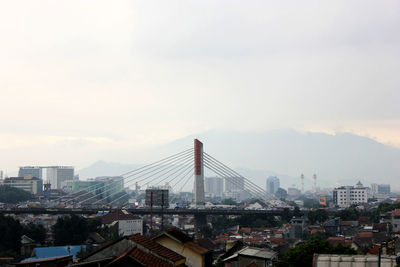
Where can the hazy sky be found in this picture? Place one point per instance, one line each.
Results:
(88, 80)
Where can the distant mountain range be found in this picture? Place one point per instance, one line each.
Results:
(340, 159)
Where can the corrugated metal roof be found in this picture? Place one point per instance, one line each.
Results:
(54, 252)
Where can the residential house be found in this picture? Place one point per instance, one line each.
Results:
(178, 241)
(135, 249)
(246, 256)
(126, 223)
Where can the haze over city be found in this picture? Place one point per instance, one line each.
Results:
(83, 82)
(211, 133)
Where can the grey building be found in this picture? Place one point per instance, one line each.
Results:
(214, 186)
(58, 174)
(30, 171)
(272, 184)
(234, 184)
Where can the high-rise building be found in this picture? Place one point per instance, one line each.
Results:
(383, 189)
(58, 174)
(234, 184)
(272, 184)
(30, 171)
(214, 186)
(100, 186)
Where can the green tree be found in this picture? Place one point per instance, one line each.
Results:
(13, 195)
(70, 230)
(302, 255)
(10, 232)
(281, 193)
(349, 214)
(319, 215)
(310, 203)
(35, 231)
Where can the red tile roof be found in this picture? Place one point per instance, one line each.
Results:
(147, 259)
(143, 257)
(374, 250)
(346, 223)
(314, 231)
(278, 241)
(365, 234)
(246, 230)
(118, 215)
(156, 248)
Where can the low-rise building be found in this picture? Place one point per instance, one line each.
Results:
(30, 184)
(178, 241)
(125, 222)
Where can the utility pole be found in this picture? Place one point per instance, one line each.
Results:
(151, 213)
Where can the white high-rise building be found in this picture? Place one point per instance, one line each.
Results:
(234, 184)
(272, 184)
(58, 174)
(214, 186)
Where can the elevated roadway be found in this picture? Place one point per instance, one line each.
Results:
(146, 211)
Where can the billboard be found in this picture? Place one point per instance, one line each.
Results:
(322, 201)
(160, 197)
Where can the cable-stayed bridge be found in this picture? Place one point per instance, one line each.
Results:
(176, 171)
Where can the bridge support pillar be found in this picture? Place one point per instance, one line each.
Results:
(199, 196)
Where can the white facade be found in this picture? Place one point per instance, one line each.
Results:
(349, 195)
(234, 184)
(130, 227)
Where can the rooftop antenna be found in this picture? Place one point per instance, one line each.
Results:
(302, 183)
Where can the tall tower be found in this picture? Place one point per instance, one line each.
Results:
(199, 197)
(302, 183)
(315, 183)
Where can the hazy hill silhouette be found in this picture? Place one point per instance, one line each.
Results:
(342, 158)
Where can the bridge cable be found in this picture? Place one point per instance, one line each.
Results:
(131, 177)
(182, 166)
(228, 177)
(141, 168)
(218, 163)
(127, 194)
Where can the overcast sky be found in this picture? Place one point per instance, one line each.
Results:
(83, 80)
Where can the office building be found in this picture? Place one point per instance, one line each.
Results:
(293, 192)
(272, 184)
(58, 174)
(101, 186)
(383, 189)
(30, 171)
(32, 185)
(214, 186)
(126, 223)
(346, 196)
(234, 184)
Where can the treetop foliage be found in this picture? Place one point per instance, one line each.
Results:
(13, 195)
